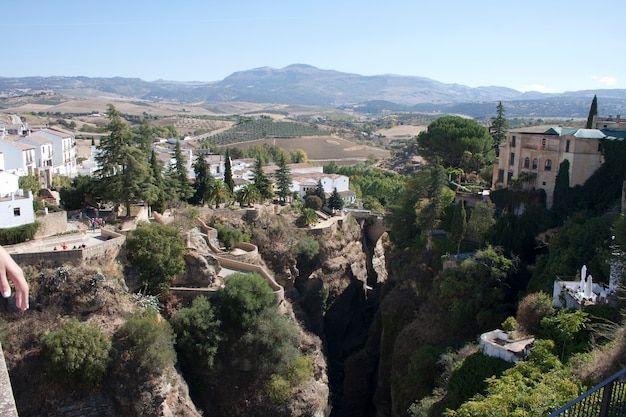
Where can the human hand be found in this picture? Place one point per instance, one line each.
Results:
(9, 270)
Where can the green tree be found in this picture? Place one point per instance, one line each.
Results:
(73, 197)
(298, 156)
(481, 220)
(459, 225)
(146, 343)
(313, 202)
(217, 193)
(178, 175)
(498, 128)
(532, 309)
(242, 299)
(261, 181)
(28, 183)
(335, 202)
(77, 353)
(430, 206)
(307, 217)
(157, 252)
(204, 180)
(247, 195)
(123, 173)
(228, 172)
(593, 112)
(455, 141)
(198, 332)
(561, 202)
(145, 136)
(157, 200)
(283, 180)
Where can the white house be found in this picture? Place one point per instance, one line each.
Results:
(498, 344)
(19, 158)
(63, 150)
(43, 157)
(16, 209)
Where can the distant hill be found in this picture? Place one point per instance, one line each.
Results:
(308, 85)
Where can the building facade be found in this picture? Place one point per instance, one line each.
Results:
(530, 159)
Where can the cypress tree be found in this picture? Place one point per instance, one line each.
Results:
(228, 173)
(593, 111)
(459, 225)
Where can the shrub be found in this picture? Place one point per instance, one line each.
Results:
(243, 298)
(197, 332)
(271, 342)
(19, 234)
(307, 217)
(146, 342)
(312, 201)
(300, 370)
(157, 253)
(278, 389)
(306, 250)
(229, 236)
(532, 309)
(77, 353)
(510, 324)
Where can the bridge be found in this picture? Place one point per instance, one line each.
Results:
(375, 224)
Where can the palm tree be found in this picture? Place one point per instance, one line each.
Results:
(248, 195)
(217, 193)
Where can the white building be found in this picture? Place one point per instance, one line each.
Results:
(63, 150)
(19, 158)
(16, 209)
(43, 157)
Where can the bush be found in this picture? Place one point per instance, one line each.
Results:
(157, 253)
(300, 370)
(278, 389)
(243, 298)
(19, 234)
(306, 250)
(77, 353)
(271, 342)
(532, 309)
(313, 202)
(307, 217)
(146, 342)
(198, 332)
(229, 236)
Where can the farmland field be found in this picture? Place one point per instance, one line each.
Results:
(323, 149)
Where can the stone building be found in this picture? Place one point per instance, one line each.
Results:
(530, 157)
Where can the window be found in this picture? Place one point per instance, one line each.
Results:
(513, 141)
(599, 146)
(512, 159)
(509, 177)
(567, 143)
(535, 163)
(543, 143)
(16, 212)
(548, 165)
(527, 162)
(500, 175)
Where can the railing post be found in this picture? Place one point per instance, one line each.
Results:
(606, 399)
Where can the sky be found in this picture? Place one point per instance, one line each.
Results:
(547, 45)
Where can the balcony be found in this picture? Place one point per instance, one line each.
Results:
(604, 400)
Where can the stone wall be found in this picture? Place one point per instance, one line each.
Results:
(279, 291)
(51, 224)
(7, 401)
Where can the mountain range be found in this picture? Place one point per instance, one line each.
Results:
(300, 84)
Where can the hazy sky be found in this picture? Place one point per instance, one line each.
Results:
(547, 45)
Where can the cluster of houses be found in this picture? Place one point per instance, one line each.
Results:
(49, 151)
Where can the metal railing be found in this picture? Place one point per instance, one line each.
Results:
(608, 399)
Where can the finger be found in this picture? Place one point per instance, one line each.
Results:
(5, 288)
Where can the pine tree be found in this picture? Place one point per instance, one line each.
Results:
(156, 171)
(203, 181)
(123, 173)
(593, 112)
(261, 181)
(228, 173)
(178, 174)
(335, 202)
(283, 180)
(498, 128)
